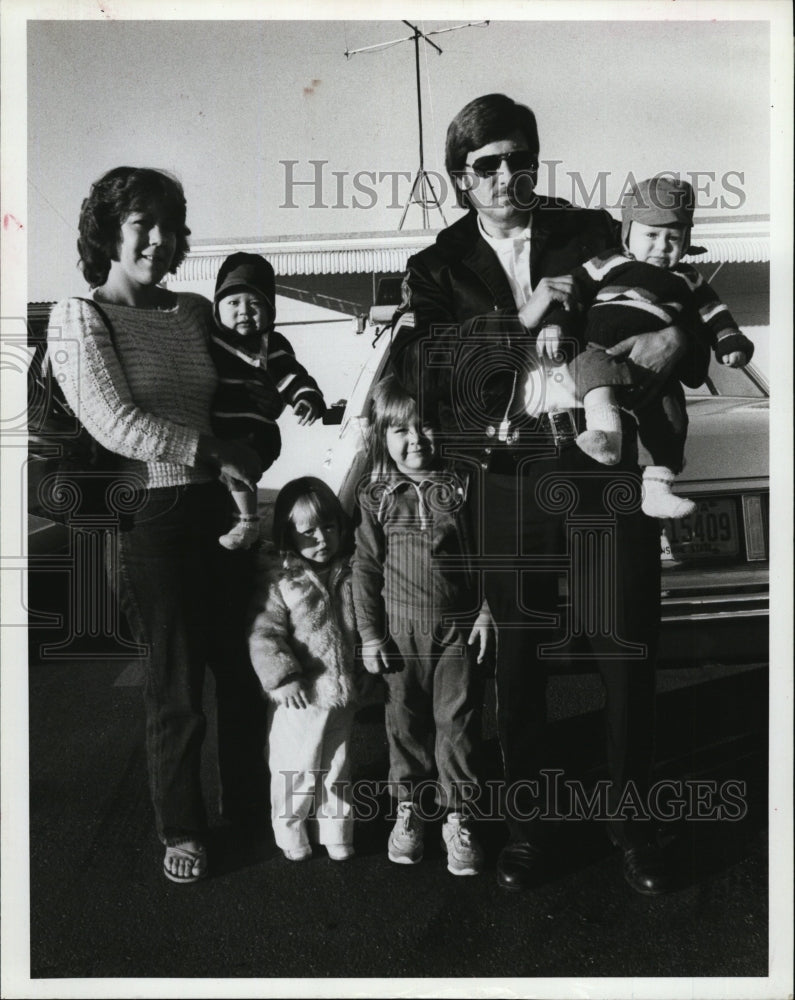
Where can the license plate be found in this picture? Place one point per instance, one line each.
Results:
(711, 531)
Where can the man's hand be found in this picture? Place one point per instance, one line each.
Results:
(380, 657)
(290, 695)
(307, 410)
(656, 352)
(483, 633)
(547, 292)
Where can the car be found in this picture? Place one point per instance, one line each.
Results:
(715, 563)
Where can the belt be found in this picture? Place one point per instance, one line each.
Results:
(506, 450)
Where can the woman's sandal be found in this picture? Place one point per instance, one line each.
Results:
(197, 857)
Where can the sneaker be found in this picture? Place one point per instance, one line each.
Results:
(340, 852)
(298, 853)
(243, 534)
(405, 841)
(464, 853)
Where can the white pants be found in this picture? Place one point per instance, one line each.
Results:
(310, 766)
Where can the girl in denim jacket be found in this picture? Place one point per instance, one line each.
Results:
(416, 600)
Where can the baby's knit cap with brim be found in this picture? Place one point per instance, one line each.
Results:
(246, 271)
(658, 201)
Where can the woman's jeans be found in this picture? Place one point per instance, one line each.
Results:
(186, 597)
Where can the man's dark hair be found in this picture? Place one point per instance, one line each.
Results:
(111, 199)
(484, 120)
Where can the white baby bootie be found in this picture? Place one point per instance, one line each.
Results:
(602, 439)
(242, 535)
(658, 498)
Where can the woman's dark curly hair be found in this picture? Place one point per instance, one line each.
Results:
(111, 199)
(486, 119)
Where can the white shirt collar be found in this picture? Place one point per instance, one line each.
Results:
(504, 244)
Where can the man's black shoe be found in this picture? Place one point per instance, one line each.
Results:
(521, 866)
(646, 871)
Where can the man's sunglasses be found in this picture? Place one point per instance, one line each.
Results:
(518, 159)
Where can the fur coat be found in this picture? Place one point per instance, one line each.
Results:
(299, 627)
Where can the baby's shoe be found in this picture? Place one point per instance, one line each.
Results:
(658, 498)
(602, 439)
(602, 446)
(464, 853)
(243, 535)
(405, 845)
(340, 852)
(297, 853)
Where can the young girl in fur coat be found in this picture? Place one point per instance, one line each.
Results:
(302, 643)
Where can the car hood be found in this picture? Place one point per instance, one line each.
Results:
(727, 439)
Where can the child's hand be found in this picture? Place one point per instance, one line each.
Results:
(548, 291)
(290, 695)
(483, 632)
(307, 410)
(548, 342)
(379, 657)
(735, 359)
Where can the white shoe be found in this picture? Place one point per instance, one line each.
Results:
(405, 845)
(298, 853)
(602, 439)
(340, 852)
(602, 446)
(464, 853)
(659, 500)
(243, 535)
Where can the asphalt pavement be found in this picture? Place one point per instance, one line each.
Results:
(100, 906)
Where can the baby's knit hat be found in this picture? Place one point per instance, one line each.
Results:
(245, 271)
(658, 201)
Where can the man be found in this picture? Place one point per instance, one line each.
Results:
(478, 297)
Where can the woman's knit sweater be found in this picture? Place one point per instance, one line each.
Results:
(144, 393)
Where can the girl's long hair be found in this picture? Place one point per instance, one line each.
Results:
(390, 406)
(309, 495)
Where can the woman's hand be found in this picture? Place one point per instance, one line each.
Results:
(231, 459)
(290, 695)
(548, 291)
(380, 657)
(483, 632)
(656, 352)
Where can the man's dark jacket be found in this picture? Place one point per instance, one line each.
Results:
(467, 342)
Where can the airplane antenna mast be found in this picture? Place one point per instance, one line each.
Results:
(422, 192)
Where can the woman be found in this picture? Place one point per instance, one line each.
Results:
(143, 389)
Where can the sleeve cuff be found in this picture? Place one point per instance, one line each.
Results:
(734, 342)
(370, 632)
